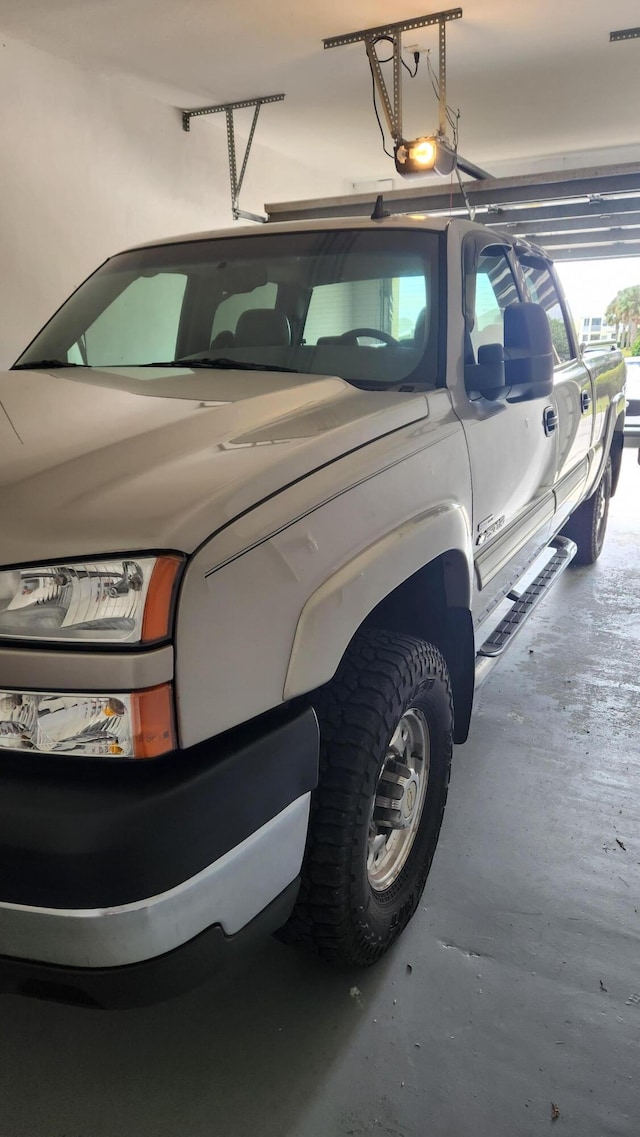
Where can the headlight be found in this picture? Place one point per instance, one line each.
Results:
(110, 601)
(137, 725)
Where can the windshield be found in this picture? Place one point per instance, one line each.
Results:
(360, 304)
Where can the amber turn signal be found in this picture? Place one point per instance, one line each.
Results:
(153, 722)
(161, 595)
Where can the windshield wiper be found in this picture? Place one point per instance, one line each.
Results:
(222, 362)
(44, 365)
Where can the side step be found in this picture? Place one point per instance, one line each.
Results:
(523, 602)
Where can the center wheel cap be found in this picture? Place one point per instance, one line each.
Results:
(409, 799)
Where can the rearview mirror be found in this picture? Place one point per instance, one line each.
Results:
(242, 276)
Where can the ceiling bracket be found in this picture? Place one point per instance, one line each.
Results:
(442, 79)
(392, 33)
(624, 33)
(235, 179)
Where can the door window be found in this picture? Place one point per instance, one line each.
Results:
(542, 290)
(496, 289)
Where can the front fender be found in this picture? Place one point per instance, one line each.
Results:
(337, 609)
(248, 595)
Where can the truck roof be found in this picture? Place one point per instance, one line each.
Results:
(397, 221)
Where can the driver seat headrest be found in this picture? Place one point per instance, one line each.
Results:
(262, 327)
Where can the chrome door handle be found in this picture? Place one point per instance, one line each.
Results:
(549, 420)
(585, 401)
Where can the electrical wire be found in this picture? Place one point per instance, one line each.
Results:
(375, 107)
(470, 208)
(434, 81)
(416, 56)
(383, 39)
(453, 123)
(453, 117)
(416, 64)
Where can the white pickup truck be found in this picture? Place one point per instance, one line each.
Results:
(274, 501)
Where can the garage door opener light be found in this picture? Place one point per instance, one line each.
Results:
(424, 155)
(431, 153)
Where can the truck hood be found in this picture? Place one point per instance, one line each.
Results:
(96, 461)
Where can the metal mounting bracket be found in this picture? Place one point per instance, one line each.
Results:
(392, 105)
(624, 33)
(235, 180)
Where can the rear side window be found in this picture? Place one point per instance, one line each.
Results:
(395, 305)
(542, 290)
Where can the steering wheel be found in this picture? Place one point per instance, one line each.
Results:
(354, 333)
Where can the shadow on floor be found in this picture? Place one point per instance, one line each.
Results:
(241, 1055)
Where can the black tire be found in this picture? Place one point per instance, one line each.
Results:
(588, 525)
(382, 677)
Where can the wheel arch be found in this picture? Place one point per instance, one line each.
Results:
(433, 605)
(416, 581)
(617, 444)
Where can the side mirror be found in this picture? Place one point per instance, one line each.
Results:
(487, 376)
(525, 362)
(528, 349)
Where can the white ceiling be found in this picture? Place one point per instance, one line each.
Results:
(533, 78)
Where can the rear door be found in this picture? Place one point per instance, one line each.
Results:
(573, 386)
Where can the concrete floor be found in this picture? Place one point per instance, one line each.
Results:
(513, 988)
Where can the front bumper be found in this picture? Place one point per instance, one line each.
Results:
(148, 982)
(105, 866)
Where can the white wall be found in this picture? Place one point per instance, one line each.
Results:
(88, 165)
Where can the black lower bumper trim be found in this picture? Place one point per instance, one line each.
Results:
(81, 835)
(142, 984)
